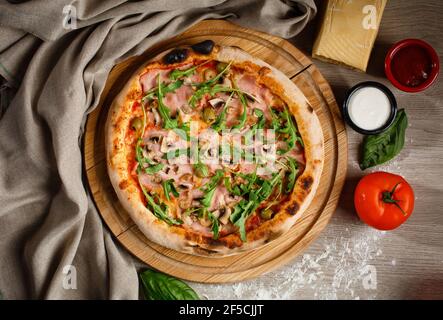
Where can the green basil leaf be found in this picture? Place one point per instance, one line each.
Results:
(380, 148)
(159, 286)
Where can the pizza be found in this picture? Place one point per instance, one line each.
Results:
(212, 151)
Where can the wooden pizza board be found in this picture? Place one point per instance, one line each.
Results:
(282, 55)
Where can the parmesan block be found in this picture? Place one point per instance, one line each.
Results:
(347, 32)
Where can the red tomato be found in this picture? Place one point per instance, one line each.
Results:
(384, 200)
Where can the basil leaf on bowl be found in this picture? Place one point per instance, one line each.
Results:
(160, 286)
(382, 147)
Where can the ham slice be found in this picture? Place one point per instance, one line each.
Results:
(222, 198)
(149, 79)
(175, 100)
(298, 155)
(265, 98)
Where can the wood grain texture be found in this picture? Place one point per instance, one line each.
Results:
(280, 251)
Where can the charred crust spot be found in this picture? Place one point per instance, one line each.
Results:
(205, 251)
(232, 241)
(273, 235)
(293, 209)
(306, 183)
(310, 109)
(123, 184)
(264, 70)
(210, 241)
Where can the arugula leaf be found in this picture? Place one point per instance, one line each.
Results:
(207, 198)
(215, 225)
(244, 103)
(235, 190)
(291, 129)
(246, 207)
(139, 155)
(291, 178)
(176, 73)
(176, 153)
(169, 187)
(201, 91)
(215, 79)
(380, 148)
(153, 168)
(260, 124)
(183, 131)
(163, 110)
(191, 210)
(209, 188)
(171, 87)
(159, 210)
(260, 119)
(220, 122)
(243, 188)
(213, 182)
(201, 169)
(159, 286)
(282, 123)
(241, 211)
(206, 87)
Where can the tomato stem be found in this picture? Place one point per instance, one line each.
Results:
(388, 197)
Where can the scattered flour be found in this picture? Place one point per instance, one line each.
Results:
(335, 271)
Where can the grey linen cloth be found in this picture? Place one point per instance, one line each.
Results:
(48, 221)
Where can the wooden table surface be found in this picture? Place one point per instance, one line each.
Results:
(350, 260)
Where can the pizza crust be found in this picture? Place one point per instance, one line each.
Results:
(177, 238)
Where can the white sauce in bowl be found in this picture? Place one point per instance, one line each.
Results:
(369, 108)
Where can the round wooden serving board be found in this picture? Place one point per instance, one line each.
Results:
(282, 55)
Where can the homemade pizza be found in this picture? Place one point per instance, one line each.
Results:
(212, 151)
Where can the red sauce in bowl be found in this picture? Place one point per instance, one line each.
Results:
(412, 65)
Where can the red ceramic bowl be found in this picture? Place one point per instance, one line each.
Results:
(404, 56)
